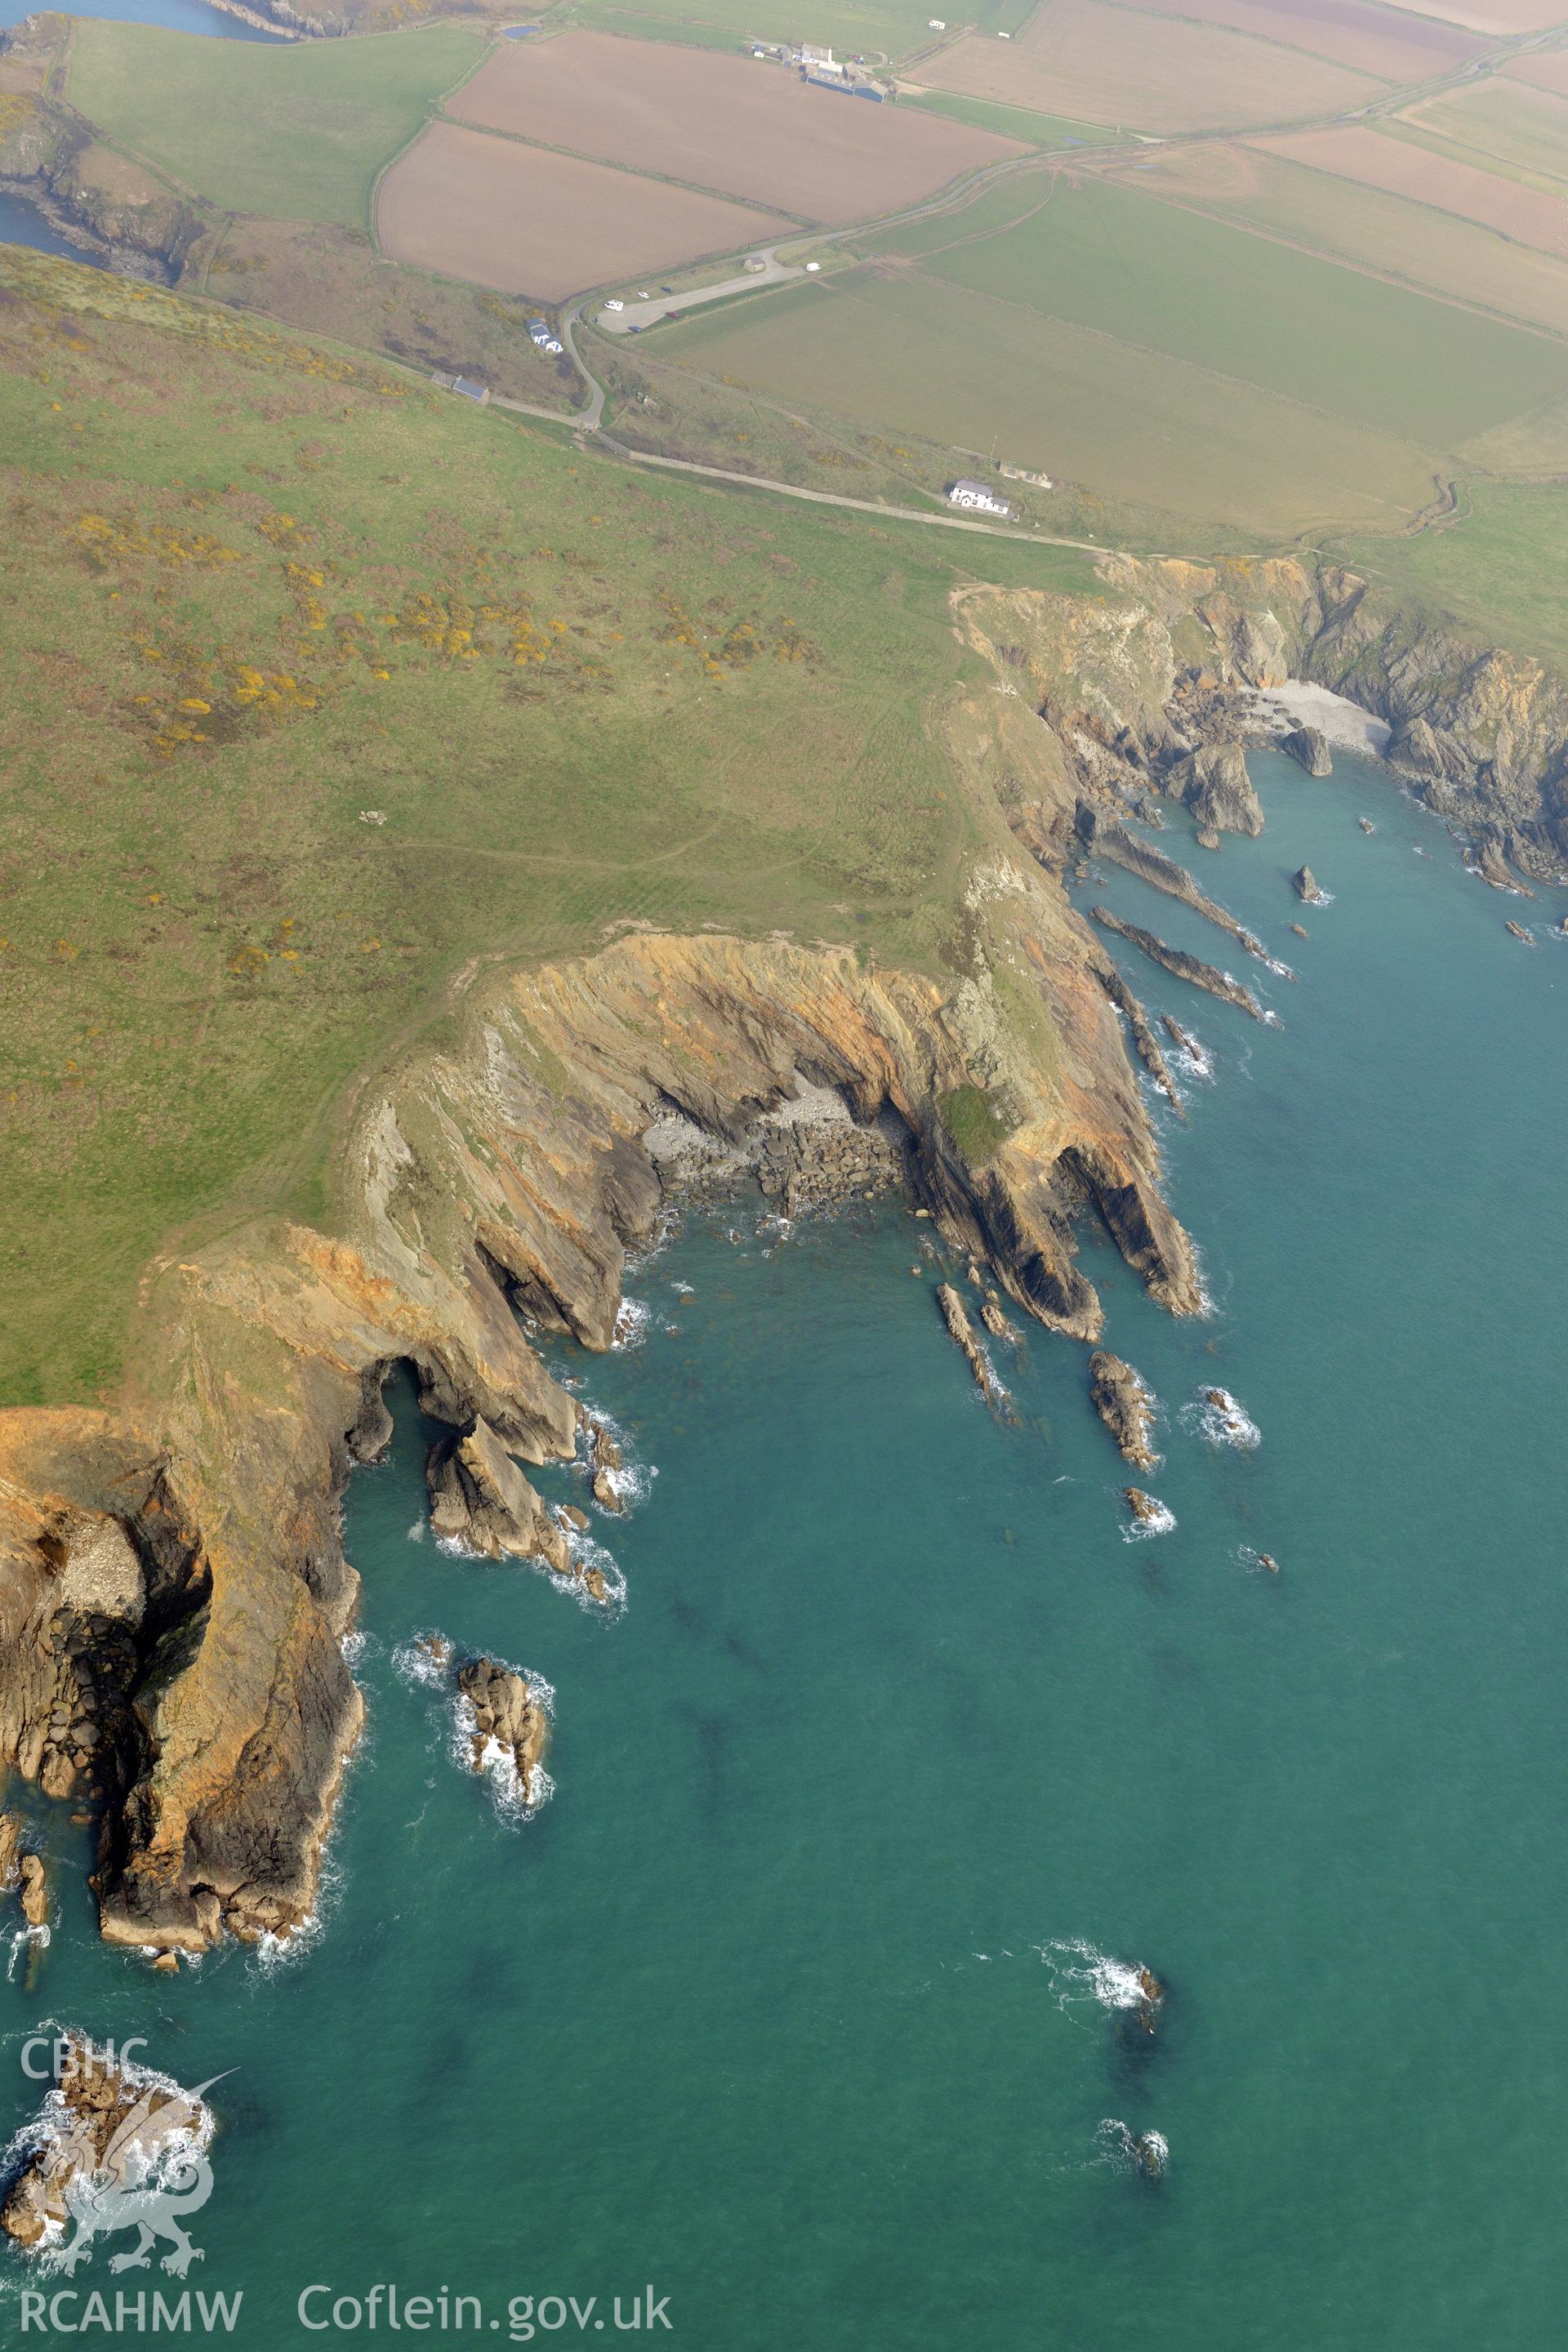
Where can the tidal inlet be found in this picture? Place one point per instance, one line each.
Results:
(783, 931)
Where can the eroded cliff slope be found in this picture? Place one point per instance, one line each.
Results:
(176, 1592)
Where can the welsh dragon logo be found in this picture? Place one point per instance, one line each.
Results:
(116, 2148)
(150, 2193)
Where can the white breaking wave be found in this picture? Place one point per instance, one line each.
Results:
(1220, 1418)
(1194, 1060)
(1147, 2152)
(632, 1319)
(1081, 1973)
(586, 1553)
(1161, 1522)
(424, 1661)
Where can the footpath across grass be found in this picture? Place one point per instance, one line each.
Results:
(323, 685)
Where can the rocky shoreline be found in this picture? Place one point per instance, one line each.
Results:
(1134, 690)
(173, 1593)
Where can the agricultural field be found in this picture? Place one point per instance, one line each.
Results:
(1498, 571)
(745, 130)
(1359, 33)
(1147, 72)
(1530, 215)
(295, 132)
(268, 591)
(1285, 201)
(523, 220)
(1548, 69)
(890, 28)
(1509, 125)
(1114, 260)
(1019, 123)
(909, 352)
(1500, 19)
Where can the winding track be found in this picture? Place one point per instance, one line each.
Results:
(955, 198)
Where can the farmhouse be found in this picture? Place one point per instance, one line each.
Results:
(979, 497)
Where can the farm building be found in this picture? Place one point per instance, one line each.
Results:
(977, 497)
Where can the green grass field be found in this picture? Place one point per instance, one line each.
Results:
(1050, 131)
(259, 589)
(1499, 572)
(296, 133)
(1116, 261)
(1370, 226)
(893, 28)
(1503, 123)
(915, 354)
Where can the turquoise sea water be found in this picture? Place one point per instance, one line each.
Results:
(22, 223)
(755, 2009)
(179, 15)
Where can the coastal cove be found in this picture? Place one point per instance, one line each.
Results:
(175, 15)
(783, 2003)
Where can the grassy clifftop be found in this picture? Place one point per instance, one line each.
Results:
(323, 687)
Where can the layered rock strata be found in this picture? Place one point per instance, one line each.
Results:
(173, 1594)
(1125, 1405)
(1179, 963)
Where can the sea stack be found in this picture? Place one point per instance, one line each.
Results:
(1125, 1405)
(1304, 882)
(510, 1711)
(1310, 750)
(1216, 786)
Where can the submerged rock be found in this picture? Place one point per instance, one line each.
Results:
(995, 1322)
(1126, 1405)
(1521, 933)
(962, 1330)
(1308, 747)
(1366, 824)
(1143, 1037)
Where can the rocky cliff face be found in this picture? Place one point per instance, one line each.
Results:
(1135, 687)
(97, 199)
(173, 1593)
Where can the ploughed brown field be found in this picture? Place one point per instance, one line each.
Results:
(748, 129)
(1354, 32)
(1548, 70)
(498, 213)
(1127, 66)
(1529, 214)
(1502, 16)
